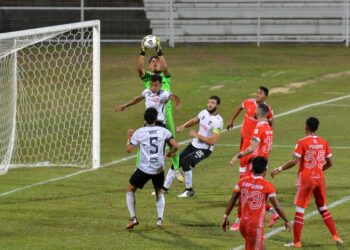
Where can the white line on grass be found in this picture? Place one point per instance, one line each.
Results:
(183, 142)
(309, 215)
(277, 146)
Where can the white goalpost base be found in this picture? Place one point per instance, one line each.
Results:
(50, 96)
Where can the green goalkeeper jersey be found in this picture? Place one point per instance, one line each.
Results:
(165, 81)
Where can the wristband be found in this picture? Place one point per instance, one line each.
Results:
(280, 169)
(225, 216)
(239, 156)
(160, 52)
(142, 53)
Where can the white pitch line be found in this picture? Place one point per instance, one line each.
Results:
(337, 105)
(277, 146)
(183, 142)
(307, 216)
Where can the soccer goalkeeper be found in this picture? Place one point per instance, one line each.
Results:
(157, 64)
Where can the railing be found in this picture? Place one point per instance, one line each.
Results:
(171, 22)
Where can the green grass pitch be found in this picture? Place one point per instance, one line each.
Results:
(88, 211)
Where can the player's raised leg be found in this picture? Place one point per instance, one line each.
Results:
(169, 121)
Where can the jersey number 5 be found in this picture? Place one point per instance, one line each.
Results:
(155, 146)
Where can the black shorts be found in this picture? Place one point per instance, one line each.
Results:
(191, 155)
(140, 178)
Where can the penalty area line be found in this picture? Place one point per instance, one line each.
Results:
(307, 216)
(181, 143)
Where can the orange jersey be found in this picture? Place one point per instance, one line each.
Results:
(312, 152)
(254, 191)
(263, 134)
(249, 122)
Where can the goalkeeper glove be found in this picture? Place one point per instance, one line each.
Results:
(143, 48)
(159, 48)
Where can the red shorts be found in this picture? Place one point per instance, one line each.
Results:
(304, 192)
(245, 142)
(253, 234)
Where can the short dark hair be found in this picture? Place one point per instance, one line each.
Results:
(264, 108)
(215, 97)
(150, 115)
(259, 165)
(265, 90)
(156, 77)
(312, 124)
(151, 58)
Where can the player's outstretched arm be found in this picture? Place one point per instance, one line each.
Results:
(162, 61)
(177, 101)
(129, 147)
(141, 60)
(187, 124)
(285, 166)
(225, 223)
(276, 205)
(250, 149)
(234, 116)
(174, 148)
(133, 101)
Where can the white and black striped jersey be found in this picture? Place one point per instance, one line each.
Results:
(158, 101)
(151, 140)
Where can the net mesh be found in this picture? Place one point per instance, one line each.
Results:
(46, 100)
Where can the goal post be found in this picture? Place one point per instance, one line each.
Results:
(50, 96)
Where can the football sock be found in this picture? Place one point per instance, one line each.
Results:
(328, 220)
(298, 226)
(170, 177)
(130, 202)
(188, 179)
(160, 205)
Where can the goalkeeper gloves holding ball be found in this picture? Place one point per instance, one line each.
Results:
(158, 48)
(143, 48)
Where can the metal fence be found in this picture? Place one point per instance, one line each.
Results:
(181, 21)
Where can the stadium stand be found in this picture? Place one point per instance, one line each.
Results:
(115, 24)
(236, 20)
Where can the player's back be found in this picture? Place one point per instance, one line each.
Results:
(264, 134)
(249, 121)
(312, 151)
(254, 192)
(151, 140)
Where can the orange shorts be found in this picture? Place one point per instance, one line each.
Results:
(252, 233)
(245, 142)
(306, 190)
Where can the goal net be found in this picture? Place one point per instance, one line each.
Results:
(49, 97)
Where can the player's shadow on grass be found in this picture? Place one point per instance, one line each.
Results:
(176, 241)
(56, 197)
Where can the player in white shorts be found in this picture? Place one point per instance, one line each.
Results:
(202, 145)
(151, 140)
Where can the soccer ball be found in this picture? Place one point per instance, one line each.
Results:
(150, 42)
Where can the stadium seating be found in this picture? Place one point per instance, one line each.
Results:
(125, 24)
(236, 20)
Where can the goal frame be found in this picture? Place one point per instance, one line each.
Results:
(96, 55)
